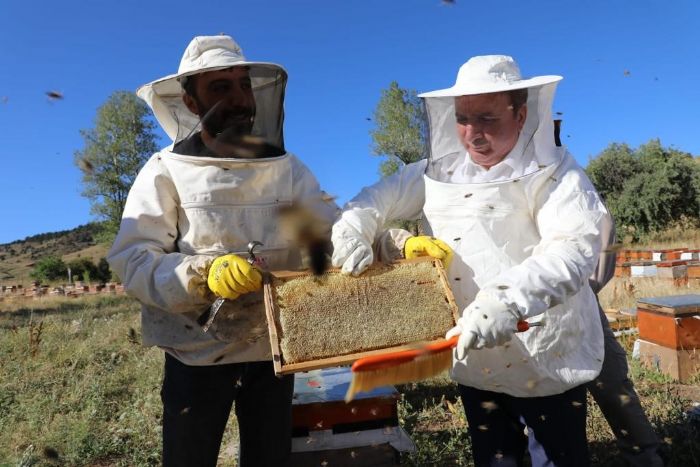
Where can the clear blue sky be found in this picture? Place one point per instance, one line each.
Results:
(631, 73)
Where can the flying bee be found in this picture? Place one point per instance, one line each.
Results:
(85, 165)
(54, 95)
(304, 229)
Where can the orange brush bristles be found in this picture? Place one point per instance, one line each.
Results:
(400, 367)
(406, 366)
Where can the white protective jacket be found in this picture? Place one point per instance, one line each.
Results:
(531, 242)
(184, 211)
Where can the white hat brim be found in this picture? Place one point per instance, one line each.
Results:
(485, 87)
(170, 84)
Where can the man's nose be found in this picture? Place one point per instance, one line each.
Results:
(473, 129)
(237, 97)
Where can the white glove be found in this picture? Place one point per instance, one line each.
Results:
(486, 322)
(352, 253)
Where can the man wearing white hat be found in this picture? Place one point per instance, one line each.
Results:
(191, 214)
(520, 224)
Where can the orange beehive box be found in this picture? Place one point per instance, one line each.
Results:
(672, 321)
(328, 431)
(645, 255)
(621, 257)
(622, 270)
(674, 254)
(694, 270)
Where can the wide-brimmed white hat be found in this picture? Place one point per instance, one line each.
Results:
(204, 53)
(207, 53)
(490, 73)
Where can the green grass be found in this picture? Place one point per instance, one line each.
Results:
(78, 389)
(82, 391)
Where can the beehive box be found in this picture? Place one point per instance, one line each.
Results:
(328, 431)
(620, 321)
(334, 319)
(681, 365)
(672, 269)
(691, 255)
(694, 270)
(622, 270)
(671, 321)
(642, 269)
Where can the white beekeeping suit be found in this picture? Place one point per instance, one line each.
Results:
(525, 233)
(189, 206)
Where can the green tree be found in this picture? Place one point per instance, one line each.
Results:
(400, 128)
(104, 273)
(612, 169)
(648, 189)
(115, 149)
(50, 268)
(83, 266)
(399, 135)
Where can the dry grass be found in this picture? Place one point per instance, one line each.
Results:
(89, 394)
(621, 293)
(82, 391)
(683, 234)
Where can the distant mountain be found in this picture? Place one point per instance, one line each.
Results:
(17, 258)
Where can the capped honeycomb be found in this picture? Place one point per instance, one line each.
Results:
(336, 314)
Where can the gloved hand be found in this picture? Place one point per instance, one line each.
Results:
(231, 276)
(352, 253)
(486, 322)
(424, 245)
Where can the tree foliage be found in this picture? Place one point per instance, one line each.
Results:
(647, 189)
(50, 268)
(400, 128)
(87, 270)
(115, 149)
(399, 135)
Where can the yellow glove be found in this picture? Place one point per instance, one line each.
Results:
(231, 276)
(424, 245)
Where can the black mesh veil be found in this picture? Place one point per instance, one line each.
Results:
(264, 139)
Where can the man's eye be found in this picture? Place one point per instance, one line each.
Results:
(220, 88)
(483, 120)
(246, 84)
(488, 120)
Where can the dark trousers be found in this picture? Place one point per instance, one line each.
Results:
(197, 402)
(556, 424)
(614, 393)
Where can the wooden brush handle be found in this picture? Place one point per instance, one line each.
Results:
(388, 360)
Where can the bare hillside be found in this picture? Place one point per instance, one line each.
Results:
(17, 258)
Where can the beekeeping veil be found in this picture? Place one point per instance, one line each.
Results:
(263, 138)
(482, 75)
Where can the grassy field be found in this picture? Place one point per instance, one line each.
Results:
(77, 388)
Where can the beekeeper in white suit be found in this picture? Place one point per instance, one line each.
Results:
(519, 223)
(183, 241)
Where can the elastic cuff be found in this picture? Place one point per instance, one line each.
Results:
(198, 284)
